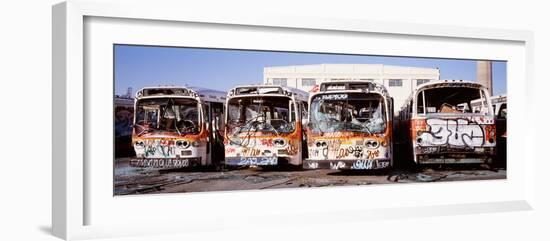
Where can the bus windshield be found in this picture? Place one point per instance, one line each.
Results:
(355, 112)
(265, 114)
(179, 115)
(449, 100)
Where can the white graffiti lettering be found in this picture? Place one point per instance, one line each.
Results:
(160, 163)
(333, 97)
(313, 165)
(370, 164)
(258, 161)
(453, 132)
(337, 165)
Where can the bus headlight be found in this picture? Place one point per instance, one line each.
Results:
(321, 144)
(278, 142)
(139, 144)
(182, 144)
(372, 144)
(196, 144)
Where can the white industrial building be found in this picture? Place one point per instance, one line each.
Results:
(399, 80)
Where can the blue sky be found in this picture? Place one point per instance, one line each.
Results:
(140, 66)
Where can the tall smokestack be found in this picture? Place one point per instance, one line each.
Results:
(129, 92)
(485, 74)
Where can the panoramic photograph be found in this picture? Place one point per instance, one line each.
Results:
(190, 119)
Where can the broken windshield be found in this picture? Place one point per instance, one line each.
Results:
(448, 100)
(357, 112)
(179, 115)
(267, 114)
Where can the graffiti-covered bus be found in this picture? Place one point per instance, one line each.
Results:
(264, 125)
(440, 125)
(176, 127)
(350, 126)
(500, 108)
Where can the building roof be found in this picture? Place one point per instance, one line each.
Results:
(349, 68)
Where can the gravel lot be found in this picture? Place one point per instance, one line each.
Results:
(132, 180)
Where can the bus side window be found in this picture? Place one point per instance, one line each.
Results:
(292, 112)
(420, 103)
(207, 113)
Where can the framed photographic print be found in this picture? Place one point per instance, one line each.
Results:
(195, 120)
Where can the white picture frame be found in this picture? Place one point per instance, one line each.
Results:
(73, 192)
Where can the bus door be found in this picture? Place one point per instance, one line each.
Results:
(500, 119)
(209, 129)
(217, 127)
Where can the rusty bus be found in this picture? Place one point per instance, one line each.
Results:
(264, 125)
(439, 124)
(500, 108)
(176, 127)
(350, 126)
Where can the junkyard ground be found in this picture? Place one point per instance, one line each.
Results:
(132, 180)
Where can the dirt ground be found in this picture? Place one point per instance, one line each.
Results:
(132, 180)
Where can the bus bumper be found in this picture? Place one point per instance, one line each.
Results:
(166, 163)
(252, 161)
(347, 164)
(445, 155)
(456, 159)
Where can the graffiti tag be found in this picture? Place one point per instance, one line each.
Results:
(292, 150)
(337, 165)
(267, 142)
(158, 148)
(313, 165)
(356, 151)
(371, 154)
(369, 164)
(230, 150)
(251, 152)
(160, 163)
(257, 161)
(453, 132)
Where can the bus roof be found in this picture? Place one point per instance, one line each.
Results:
(183, 91)
(449, 83)
(371, 86)
(210, 95)
(263, 89)
(442, 84)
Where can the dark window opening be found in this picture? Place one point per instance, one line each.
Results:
(453, 100)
